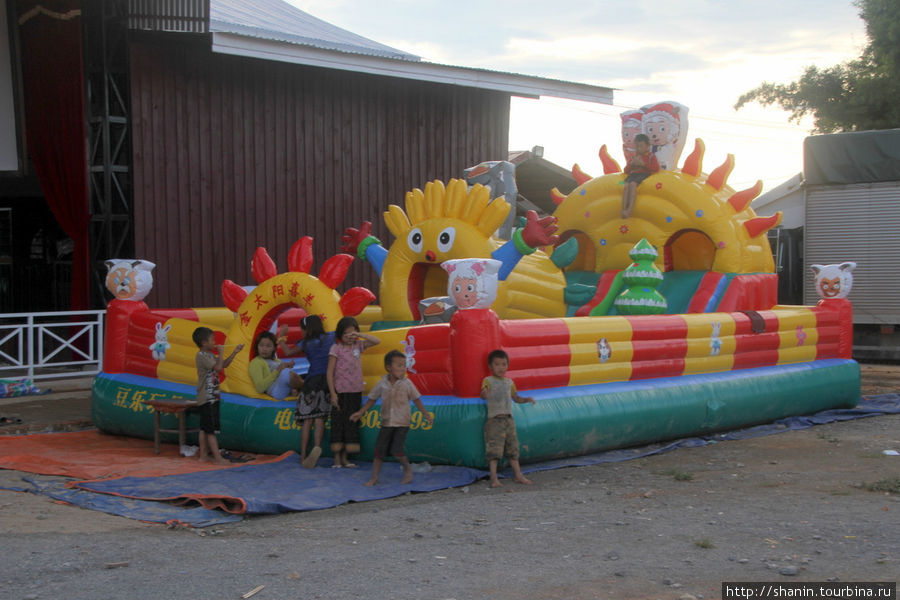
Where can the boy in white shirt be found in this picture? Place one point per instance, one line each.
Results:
(396, 392)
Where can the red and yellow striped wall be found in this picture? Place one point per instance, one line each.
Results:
(132, 332)
(550, 353)
(450, 359)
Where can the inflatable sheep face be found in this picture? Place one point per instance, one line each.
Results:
(129, 279)
(833, 281)
(472, 282)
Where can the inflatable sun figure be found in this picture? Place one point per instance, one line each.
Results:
(453, 222)
(256, 310)
(695, 220)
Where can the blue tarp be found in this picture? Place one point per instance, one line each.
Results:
(142, 510)
(285, 485)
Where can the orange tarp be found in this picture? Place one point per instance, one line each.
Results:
(95, 455)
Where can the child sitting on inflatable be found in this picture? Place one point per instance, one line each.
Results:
(269, 374)
(640, 167)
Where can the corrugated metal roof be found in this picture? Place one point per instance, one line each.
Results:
(279, 21)
(276, 30)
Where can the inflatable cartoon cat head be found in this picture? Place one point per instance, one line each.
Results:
(129, 279)
(833, 281)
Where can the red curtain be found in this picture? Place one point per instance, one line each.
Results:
(52, 73)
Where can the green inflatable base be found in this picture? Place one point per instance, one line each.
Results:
(564, 422)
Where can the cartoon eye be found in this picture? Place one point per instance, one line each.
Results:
(446, 238)
(415, 240)
(456, 288)
(470, 287)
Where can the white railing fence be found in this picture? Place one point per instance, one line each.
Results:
(51, 345)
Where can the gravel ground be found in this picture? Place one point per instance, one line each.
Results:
(788, 507)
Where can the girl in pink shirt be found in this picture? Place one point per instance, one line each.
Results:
(345, 383)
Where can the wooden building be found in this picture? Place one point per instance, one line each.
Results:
(217, 126)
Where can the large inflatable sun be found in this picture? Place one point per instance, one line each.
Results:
(695, 220)
(275, 292)
(455, 221)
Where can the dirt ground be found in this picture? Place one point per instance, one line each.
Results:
(788, 507)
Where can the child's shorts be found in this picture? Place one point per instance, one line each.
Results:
(390, 442)
(500, 438)
(209, 417)
(637, 177)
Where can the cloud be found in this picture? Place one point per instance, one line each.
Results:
(702, 53)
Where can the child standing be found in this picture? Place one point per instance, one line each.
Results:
(345, 385)
(396, 392)
(641, 166)
(269, 374)
(313, 405)
(500, 437)
(209, 366)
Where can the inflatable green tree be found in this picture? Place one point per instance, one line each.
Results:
(642, 278)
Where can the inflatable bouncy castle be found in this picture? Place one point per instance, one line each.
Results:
(625, 331)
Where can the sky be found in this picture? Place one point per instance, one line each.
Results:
(701, 53)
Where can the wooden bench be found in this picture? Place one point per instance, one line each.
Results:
(171, 407)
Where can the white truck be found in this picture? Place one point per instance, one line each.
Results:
(845, 206)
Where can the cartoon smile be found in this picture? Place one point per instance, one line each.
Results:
(831, 287)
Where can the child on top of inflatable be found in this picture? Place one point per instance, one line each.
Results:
(641, 166)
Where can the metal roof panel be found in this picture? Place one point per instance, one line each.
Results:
(279, 21)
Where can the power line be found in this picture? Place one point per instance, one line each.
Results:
(594, 108)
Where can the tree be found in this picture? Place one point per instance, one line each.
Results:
(854, 96)
(642, 279)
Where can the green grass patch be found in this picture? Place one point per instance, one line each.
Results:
(870, 455)
(704, 543)
(677, 474)
(890, 485)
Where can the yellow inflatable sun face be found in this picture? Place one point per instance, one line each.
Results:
(442, 223)
(456, 221)
(419, 255)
